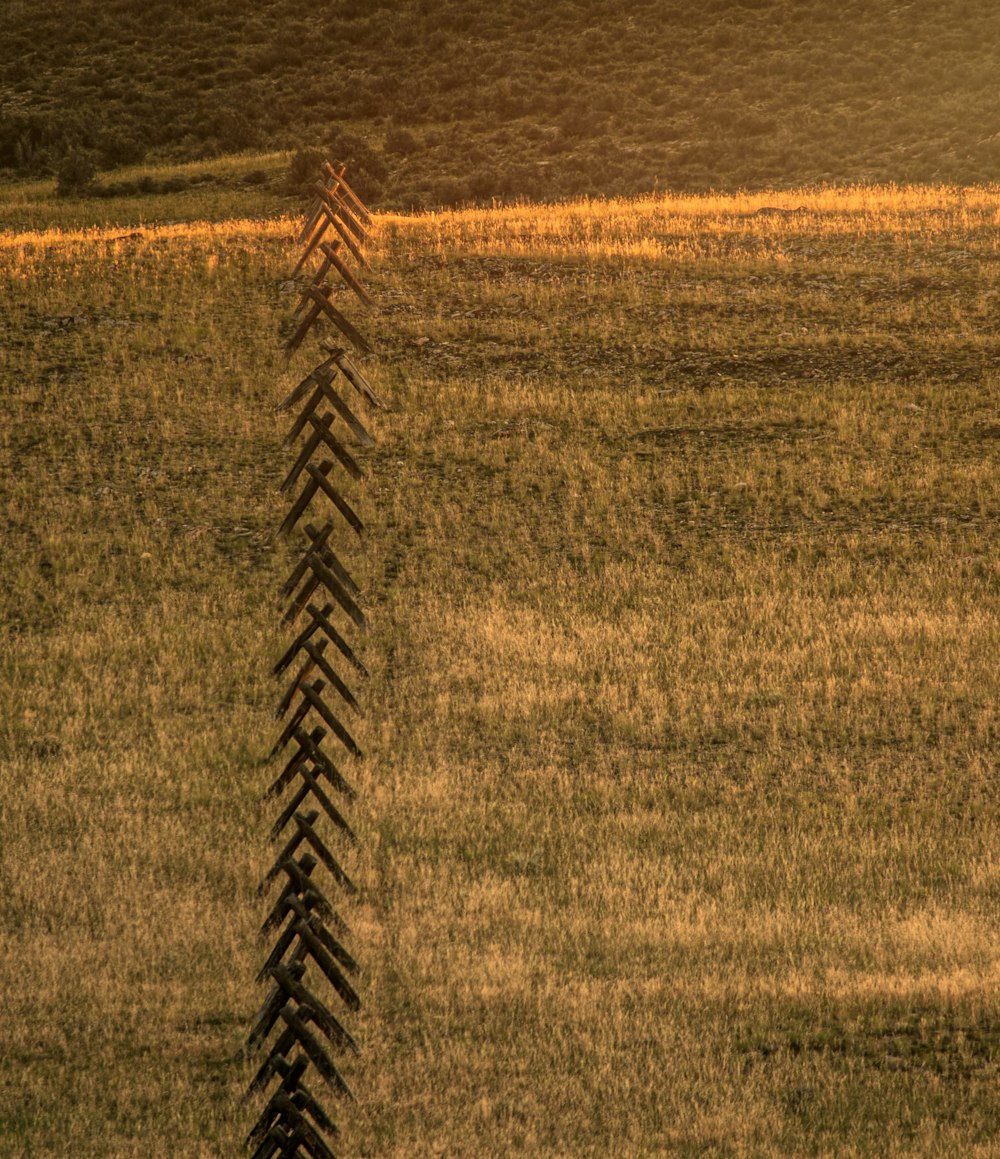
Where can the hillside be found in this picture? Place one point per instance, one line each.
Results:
(442, 101)
(678, 822)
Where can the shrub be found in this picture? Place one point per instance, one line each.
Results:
(303, 172)
(400, 141)
(75, 175)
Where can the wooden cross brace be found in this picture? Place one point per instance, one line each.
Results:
(311, 786)
(320, 297)
(309, 751)
(306, 832)
(288, 1105)
(286, 940)
(297, 1033)
(320, 436)
(316, 659)
(352, 374)
(319, 481)
(319, 621)
(294, 1089)
(300, 883)
(320, 382)
(338, 176)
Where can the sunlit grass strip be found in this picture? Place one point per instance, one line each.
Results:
(243, 229)
(658, 226)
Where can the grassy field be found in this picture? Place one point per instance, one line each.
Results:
(679, 816)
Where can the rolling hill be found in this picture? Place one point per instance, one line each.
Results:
(443, 101)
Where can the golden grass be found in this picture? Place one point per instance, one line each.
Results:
(679, 817)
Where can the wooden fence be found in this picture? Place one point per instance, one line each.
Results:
(300, 1031)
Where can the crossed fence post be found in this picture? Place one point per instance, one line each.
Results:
(300, 1035)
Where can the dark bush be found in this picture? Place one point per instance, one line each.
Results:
(303, 172)
(449, 192)
(367, 168)
(400, 141)
(119, 147)
(75, 175)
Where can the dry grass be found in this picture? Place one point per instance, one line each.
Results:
(680, 822)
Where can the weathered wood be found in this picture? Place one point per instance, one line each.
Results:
(274, 1142)
(319, 481)
(336, 589)
(334, 974)
(318, 541)
(316, 280)
(322, 427)
(295, 907)
(320, 661)
(322, 1015)
(322, 300)
(304, 326)
(323, 762)
(293, 649)
(321, 434)
(304, 1143)
(333, 947)
(315, 652)
(309, 448)
(291, 1082)
(319, 477)
(292, 765)
(332, 259)
(342, 184)
(302, 421)
(287, 854)
(289, 731)
(322, 618)
(309, 834)
(320, 275)
(335, 191)
(339, 208)
(310, 786)
(347, 238)
(322, 381)
(286, 701)
(285, 941)
(279, 1049)
(307, 902)
(300, 884)
(305, 1136)
(310, 221)
(316, 659)
(329, 557)
(299, 506)
(301, 599)
(313, 694)
(310, 382)
(355, 425)
(305, 888)
(304, 1100)
(280, 1109)
(356, 379)
(322, 225)
(267, 1016)
(356, 201)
